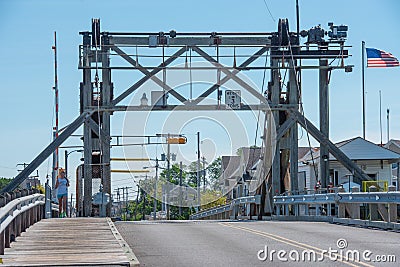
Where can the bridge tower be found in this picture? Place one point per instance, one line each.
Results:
(95, 94)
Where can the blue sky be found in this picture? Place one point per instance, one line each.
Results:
(26, 68)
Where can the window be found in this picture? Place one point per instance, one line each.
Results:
(334, 177)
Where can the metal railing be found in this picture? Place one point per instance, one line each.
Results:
(377, 206)
(228, 208)
(21, 209)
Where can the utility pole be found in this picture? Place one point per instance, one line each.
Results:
(55, 128)
(180, 188)
(118, 200)
(22, 164)
(126, 201)
(204, 173)
(155, 192)
(198, 172)
(137, 200)
(123, 199)
(35, 177)
(168, 174)
(144, 205)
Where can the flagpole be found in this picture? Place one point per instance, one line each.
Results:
(363, 86)
(380, 114)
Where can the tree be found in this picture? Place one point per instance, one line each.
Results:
(192, 174)
(174, 174)
(4, 182)
(212, 198)
(214, 173)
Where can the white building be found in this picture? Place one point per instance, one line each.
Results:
(394, 145)
(374, 160)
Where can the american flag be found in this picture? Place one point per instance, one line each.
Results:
(380, 59)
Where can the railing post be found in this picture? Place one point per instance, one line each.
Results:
(341, 206)
(7, 236)
(3, 201)
(23, 220)
(47, 201)
(329, 209)
(17, 226)
(355, 207)
(2, 243)
(373, 208)
(318, 209)
(278, 209)
(392, 207)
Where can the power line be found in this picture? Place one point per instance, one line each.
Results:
(269, 11)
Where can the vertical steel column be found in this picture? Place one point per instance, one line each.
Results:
(275, 97)
(106, 96)
(87, 99)
(324, 119)
(293, 99)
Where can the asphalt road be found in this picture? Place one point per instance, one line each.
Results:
(218, 243)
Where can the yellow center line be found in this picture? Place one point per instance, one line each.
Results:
(293, 243)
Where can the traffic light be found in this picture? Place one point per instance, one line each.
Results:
(177, 140)
(173, 157)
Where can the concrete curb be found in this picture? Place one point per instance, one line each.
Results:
(366, 223)
(124, 245)
(302, 218)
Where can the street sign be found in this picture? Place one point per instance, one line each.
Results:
(233, 99)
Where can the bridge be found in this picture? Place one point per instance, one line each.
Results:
(290, 225)
(29, 239)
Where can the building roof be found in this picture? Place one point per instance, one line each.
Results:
(230, 166)
(251, 155)
(393, 145)
(360, 149)
(302, 151)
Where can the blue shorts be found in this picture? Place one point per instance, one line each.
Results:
(62, 195)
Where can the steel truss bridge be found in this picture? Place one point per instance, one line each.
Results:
(281, 104)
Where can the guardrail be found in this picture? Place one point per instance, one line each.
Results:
(21, 209)
(226, 210)
(353, 197)
(378, 206)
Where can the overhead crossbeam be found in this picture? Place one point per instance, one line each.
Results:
(193, 40)
(222, 107)
(245, 64)
(139, 83)
(232, 76)
(146, 72)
